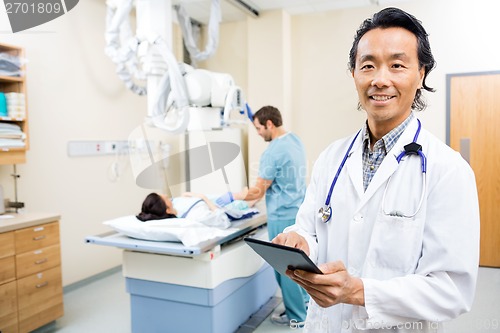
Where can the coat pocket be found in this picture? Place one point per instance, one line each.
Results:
(396, 243)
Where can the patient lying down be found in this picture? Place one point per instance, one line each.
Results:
(195, 206)
(190, 219)
(158, 206)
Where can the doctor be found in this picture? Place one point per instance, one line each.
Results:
(395, 231)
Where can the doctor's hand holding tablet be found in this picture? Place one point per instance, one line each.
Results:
(328, 283)
(331, 287)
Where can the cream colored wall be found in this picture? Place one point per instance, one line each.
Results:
(269, 71)
(74, 94)
(263, 70)
(321, 104)
(231, 57)
(463, 36)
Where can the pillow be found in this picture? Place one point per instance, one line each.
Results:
(189, 232)
(149, 230)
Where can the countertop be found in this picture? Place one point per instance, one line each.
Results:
(25, 220)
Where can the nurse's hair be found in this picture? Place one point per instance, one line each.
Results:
(266, 113)
(154, 208)
(397, 18)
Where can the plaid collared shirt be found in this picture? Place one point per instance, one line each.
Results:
(373, 159)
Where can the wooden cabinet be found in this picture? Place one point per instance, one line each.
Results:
(37, 260)
(8, 307)
(40, 299)
(8, 285)
(7, 269)
(15, 84)
(30, 239)
(31, 293)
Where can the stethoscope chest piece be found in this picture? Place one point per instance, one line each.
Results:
(325, 213)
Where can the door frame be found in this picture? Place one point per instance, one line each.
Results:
(448, 96)
(449, 77)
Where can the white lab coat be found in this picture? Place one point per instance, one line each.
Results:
(417, 272)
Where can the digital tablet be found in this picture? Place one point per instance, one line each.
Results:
(282, 257)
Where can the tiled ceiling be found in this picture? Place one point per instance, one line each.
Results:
(232, 9)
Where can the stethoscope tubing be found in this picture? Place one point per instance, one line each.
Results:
(346, 156)
(398, 213)
(326, 211)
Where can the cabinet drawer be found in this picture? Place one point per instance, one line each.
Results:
(8, 307)
(37, 237)
(7, 270)
(6, 244)
(40, 298)
(39, 260)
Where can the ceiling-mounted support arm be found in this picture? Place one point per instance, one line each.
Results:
(244, 7)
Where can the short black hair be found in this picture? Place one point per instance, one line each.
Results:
(396, 18)
(266, 113)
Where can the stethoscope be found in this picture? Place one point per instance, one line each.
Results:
(413, 148)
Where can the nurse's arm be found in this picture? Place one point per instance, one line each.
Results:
(255, 192)
(332, 287)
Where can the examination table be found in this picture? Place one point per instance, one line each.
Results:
(211, 288)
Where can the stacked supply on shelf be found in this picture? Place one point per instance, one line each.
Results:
(3, 105)
(16, 105)
(10, 65)
(11, 136)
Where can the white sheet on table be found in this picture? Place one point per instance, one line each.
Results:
(187, 231)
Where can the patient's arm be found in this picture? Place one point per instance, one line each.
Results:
(252, 203)
(209, 203)
(255, 192)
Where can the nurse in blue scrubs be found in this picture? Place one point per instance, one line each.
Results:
(282, 174)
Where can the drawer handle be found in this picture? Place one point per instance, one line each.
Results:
(41, 261)
(41, 285)
(39, 238)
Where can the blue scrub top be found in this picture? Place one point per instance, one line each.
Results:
(284, 162)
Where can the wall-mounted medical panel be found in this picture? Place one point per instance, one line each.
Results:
(97, 147)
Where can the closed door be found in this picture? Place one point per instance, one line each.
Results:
(474, 116)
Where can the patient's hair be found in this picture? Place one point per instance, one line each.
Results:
(154, 208)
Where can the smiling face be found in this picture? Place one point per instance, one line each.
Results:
(387, 77)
